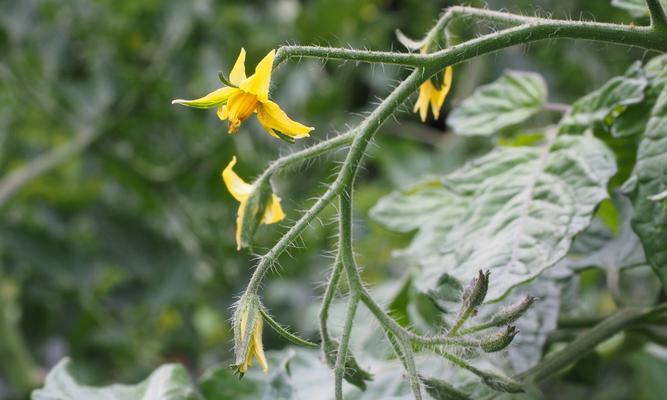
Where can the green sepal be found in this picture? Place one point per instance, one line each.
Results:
(255, 208)
(284, 137)
(225, 80)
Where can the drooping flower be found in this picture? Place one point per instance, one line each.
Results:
(247, 95)
(248, 325)
(429, 93)
(271, 211)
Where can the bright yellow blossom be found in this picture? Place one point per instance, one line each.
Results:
(428, 93)
(241, 190)
(254, 347)
(249, 95)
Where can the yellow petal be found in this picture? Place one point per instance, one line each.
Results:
(212, 99)
(258, 346)
(258, 83)
(438, 96)
(273, 118)
(237, 187)
(238, 72)
(222, 112)
(239, 221)
(274, 212)
(422, 101)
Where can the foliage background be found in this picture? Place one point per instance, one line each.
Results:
(123, 257)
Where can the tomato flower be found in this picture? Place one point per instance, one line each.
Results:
(247, 95)
(429, 93)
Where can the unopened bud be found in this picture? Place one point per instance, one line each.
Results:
(510, 314)
(502, 384)
(475, 292)
(248, 335)
(498, 340)
(441, 390)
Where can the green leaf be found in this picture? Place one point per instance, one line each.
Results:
(635, 7)
(169, 382)
(599, 109)
(514, 211)
(634, 120)
(650, 217)
(511, 99)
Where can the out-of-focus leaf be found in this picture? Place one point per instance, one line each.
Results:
(635, 7)
(598, 109)
(634, 120)
(169, 382)
(650, 217)
(649, 373)
(511, 99)
(514, 212)
(617, 251)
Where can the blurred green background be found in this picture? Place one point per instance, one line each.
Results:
(116, 233)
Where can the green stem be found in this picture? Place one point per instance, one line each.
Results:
(585, 343)
(343, 348)
(658, 17)
(329, 294)
(525, 30)
(310, 152)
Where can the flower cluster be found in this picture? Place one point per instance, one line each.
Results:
(235, 102)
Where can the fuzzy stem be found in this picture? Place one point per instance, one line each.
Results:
(329, 294)
(658, 17)
(343, 348)
(525, 30)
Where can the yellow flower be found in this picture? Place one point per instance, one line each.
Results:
(248, 95)
(241, 191)
(428, 93)
(254, 346)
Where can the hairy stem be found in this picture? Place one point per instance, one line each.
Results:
(525, 30)
(343, 348)
(329, 294)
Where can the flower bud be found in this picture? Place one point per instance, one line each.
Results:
(441, 390)
(498, 340)
(248, 335)
(475, 292)
(512, 313)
